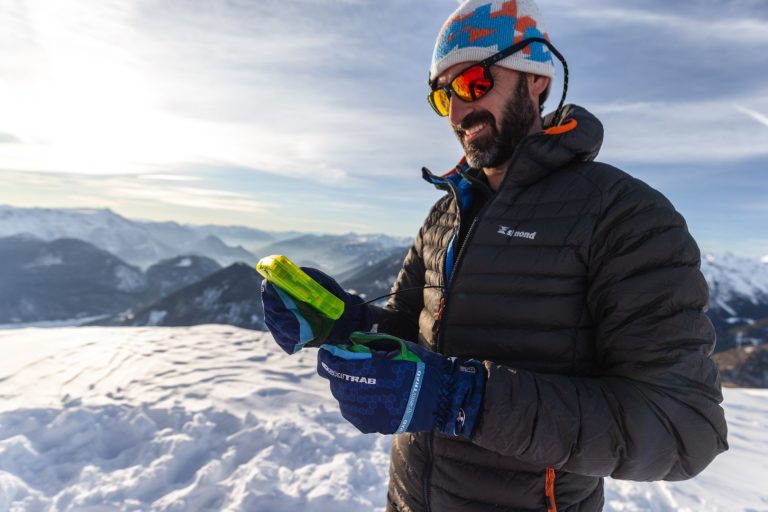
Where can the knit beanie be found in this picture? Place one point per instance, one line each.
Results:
(481, 28)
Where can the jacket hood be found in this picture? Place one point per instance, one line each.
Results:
(577, 138)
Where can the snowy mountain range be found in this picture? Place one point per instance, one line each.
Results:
(738, 301)
(374, 278)
(211, 418)
(336, 254)
(143, 243)
(138, 243)
(367, 264)
(229, 296)
(72, 279)
(62, 279)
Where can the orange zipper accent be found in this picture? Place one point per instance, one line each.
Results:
(564, 127)
(440, 310)
(549, 490)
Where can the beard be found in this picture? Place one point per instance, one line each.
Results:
(496, 148)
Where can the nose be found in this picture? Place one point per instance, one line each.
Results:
(458, 110)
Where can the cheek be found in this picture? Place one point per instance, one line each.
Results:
(495, 99)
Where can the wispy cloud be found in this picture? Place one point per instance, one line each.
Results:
(114, 87)
(201, 198)
(168, 177)
(301, 108)
(696, 131)
(757, 116)
(7, 138)
(713, 24)
(738, 30)
(752, 207)
(103, 191)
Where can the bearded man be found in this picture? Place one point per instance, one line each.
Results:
(557, 335)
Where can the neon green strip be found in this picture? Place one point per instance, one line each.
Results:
(368, 338)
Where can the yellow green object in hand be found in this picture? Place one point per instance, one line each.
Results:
(283, 273)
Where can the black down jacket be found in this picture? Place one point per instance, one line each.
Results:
(579, 286)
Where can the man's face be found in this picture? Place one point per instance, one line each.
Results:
(489, 129)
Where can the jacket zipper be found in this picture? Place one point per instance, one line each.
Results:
(428, 474)
(444, 302)
(436, 326)
(456, 266)
(438, 335)
(435, 336)
(549, 489)
(436, 330)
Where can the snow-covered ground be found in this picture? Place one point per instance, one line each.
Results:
(218, 418)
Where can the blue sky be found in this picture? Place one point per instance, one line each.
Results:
(310, 115)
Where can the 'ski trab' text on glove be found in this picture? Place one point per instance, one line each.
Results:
(388, 385)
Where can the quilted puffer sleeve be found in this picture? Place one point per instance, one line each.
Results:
(400, 316)
(652, 411)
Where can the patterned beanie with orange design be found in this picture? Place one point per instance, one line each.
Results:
(481, 28)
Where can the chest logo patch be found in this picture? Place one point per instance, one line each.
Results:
(507, 231)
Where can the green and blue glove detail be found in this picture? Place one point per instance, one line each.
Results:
(388, 385)
(295, 324)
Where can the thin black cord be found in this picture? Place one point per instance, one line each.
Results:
(559, 112)
(558, 117)
(399, 291)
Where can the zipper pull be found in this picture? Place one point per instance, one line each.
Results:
(440, 309)
(549, 489)
(438, 321)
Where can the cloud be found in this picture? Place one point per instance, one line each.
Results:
(147, 193)
(187, 196)
(168, 177)
(680, 132)
(757, 116)
(6, 138)
(309, 104)
(113, 87)
(757, 207)
(736, 30)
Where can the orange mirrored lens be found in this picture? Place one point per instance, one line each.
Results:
(472, 84)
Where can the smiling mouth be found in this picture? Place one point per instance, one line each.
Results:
(473, 132)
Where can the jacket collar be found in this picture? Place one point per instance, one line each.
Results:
(577, 138)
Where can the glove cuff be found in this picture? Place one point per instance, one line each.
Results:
(461, 398)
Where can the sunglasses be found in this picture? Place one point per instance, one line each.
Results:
(476, 81)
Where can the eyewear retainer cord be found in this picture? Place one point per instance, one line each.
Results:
(415, 288)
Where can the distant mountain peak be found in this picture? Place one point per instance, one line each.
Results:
(140, 243)
(731, 276)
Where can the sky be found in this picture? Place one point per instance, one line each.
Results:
(311, 115)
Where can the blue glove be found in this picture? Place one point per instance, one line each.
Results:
(388, 385)
(295, 324)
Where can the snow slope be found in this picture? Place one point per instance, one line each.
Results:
(218, 418)
(733, 277)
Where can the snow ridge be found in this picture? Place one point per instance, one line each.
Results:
(218, 418)
(176, 419)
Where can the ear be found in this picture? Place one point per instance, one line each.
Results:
(537, 84)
